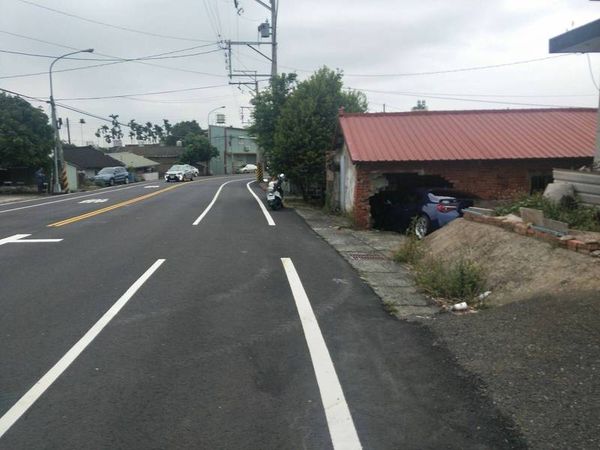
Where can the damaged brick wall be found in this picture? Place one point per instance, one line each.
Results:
(488, 179)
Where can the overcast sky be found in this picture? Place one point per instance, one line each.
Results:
(385, 47)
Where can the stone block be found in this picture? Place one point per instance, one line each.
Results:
(533, 216)
(556, 225)
(480, 211)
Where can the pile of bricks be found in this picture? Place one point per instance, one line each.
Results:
(588, 247)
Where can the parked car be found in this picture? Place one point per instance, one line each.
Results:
(111, 176)
(179, 172)
(194, 170)
(248, 168)
(429, 208)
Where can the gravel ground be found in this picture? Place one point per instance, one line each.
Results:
(539, 361)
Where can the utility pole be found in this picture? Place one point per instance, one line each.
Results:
(225, 150)
(68, 132)
(273, 9)
(266, 30)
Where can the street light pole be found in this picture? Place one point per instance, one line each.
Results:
(58, 156)
(208, 123)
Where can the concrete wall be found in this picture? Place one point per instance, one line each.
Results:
(348, 180)
(586, 184)
(72, 177)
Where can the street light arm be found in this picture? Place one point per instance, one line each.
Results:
(88, 50)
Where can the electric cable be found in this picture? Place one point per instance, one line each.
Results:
(438, 72)
(167, 55)
(117, 27)
(144, 93)
(177, 69)
(407, 94)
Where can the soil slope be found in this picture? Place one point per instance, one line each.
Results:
(517, 267)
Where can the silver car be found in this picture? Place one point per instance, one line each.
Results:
(179, 172)
(194, 170)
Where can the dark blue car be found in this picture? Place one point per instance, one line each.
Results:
(430, 208)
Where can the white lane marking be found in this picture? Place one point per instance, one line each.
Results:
(270, 220)
(64, 199)
(205, 212)
(18, 238)
(94, 200)
(339, 420)
(31, 396)
(152, 186)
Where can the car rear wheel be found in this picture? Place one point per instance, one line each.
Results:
(422, 226)
(127, 180)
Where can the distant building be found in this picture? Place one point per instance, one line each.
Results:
(142, 167)
(89, 160)
(236, 149)
(165, 155)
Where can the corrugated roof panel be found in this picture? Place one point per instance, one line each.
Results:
(469, 135)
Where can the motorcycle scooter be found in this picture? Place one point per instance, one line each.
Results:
(275, 193)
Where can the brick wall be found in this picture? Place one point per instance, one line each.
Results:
(488, 179)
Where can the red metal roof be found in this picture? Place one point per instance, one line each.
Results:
(469, 135)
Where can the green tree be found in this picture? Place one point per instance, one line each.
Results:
(267, 108)
(306, 126)
(421, 106)
(113, 133)
(197, 149)
(26, 138)
(181, 129)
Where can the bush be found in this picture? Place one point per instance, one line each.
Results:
(461, 279)
(569, 210)
(410, 251)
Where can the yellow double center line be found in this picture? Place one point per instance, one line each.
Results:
(110, 208)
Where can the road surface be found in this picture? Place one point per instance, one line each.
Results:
(158, 316)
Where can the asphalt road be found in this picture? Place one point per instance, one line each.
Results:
(138, 329)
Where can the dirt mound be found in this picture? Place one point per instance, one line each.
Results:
(516, 267)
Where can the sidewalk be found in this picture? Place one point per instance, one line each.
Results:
(9, 198)
(370, 253)
(536, 359)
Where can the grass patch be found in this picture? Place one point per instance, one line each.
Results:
(390, 307)
(410, 252)
(569, 210)
(460, 279)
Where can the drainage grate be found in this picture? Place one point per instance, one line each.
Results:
(365, 256)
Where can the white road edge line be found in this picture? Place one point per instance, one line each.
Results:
(270, 220)
(36, 391)
(205, 212)
(339, 420)
(95, 193)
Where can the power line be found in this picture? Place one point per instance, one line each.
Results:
(440, 72)
(177, 69)
(445, 94)
(144, 58)
(23, 95)
(97, 22)
(145, 93)
(80, 111)
(437, 97)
